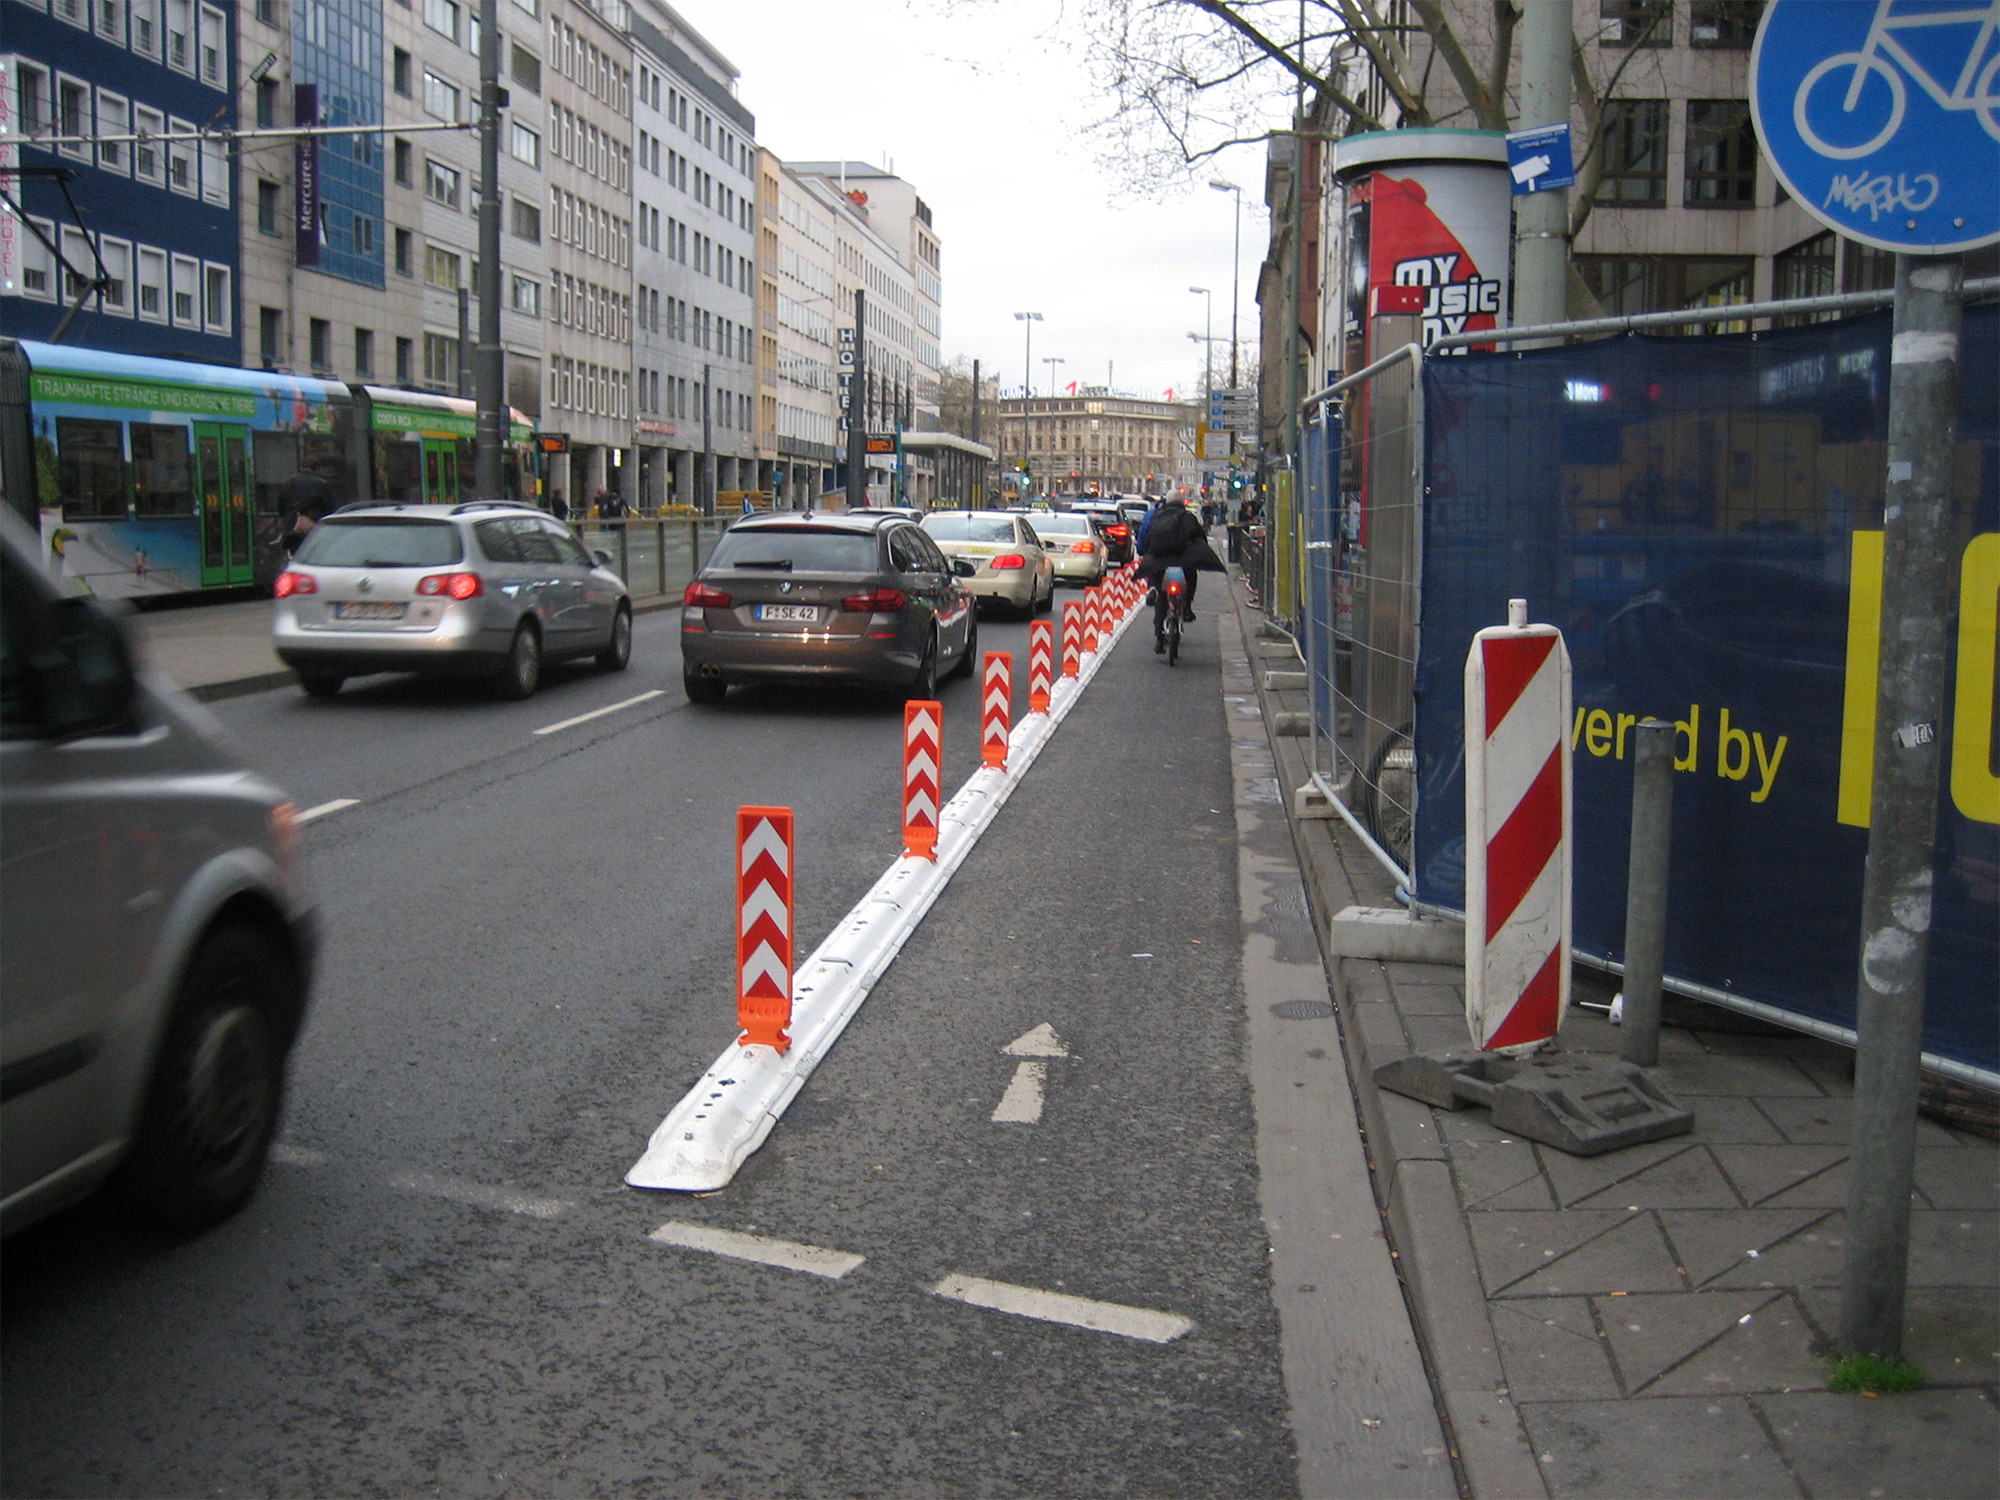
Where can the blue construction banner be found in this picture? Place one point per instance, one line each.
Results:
(1702, 517)
(1319, 465)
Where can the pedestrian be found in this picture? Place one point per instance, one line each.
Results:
(304, 500)
(748, 508)
(558, 507)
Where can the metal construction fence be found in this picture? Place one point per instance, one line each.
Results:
(654, 555)
(1701, 516)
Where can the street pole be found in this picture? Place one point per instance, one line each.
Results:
(857, 437)
(1647, 865)
(705, 484)
(1902, 816)
(975, 401)
(1541, 220)
(464, 387)
(1235, 282)
(488, 369)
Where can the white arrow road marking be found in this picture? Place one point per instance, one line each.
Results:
(1041, 1042)
(338, 804)
(1022, 1103)
(1054, 1307)
(765, 839)
(785, 1254)
(598, 713)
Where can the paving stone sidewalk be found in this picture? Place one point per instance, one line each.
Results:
(1654, 1321)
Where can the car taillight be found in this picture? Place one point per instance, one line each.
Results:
(1007, 561)
(881, 601)
(452, 585)
(1118, 533)
(1083, 546)
(702, 596)
(290, 583)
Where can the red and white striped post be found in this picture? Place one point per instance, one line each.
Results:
(996, 711)
(923, 777)
(1093, 623)
(1072, 640)
(764, 925)
(1517, 825)
(1041, 664)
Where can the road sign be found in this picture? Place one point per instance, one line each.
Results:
(552, 442)
(1883, 119)
(1540, 160)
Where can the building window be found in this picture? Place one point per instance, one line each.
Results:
(38, 276)
(270, 328)
(267, 207)
(364, 235)
(399, 71)
(114, 117)
(402, 154)
(148, 162)
(320, 340)
(442, 100)
(117, 294)
(214, 48)
(267, 12)
(180, 35)
(111, 21)
(1724, 23)
(1665, 283)
(1721, 155)
(525, 145)
(72, 11)
(180, 159)
(406, 353)
(440, 360)
(527, 221)
(267, 103)
(146, 27)
(73, 117)
(442, 17)
(364, 353)
(526, 69)
(527, 297)
(441, 183)
(152, 285)
(1805, 270)
(442, 268)
(215, 173)
(1634, 133)
(1635, 23)
(218, 309)
(405, 252)
(187, 292)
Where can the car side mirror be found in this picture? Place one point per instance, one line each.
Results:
(603, 558)
(86, 675)
(964, 567)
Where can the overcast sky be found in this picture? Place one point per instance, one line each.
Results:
(984, 110)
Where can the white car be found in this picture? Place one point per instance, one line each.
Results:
(1013, 568)
(1072, 542)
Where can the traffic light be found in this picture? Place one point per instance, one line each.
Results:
(1236, 484)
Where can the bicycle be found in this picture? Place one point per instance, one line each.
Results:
(1972, 90)
(1169, 610)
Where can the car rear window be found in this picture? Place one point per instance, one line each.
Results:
(1069, 525)
(380, 542)
(796, 549)
(945, 528)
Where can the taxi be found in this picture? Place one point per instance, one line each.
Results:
(1011, 565)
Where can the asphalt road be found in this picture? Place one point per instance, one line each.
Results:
(445, 1287)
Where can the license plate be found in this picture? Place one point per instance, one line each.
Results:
(806, 614)
(369, 611)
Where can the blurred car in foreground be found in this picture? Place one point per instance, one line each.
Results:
(155, 929)
(1012, 567)
(858, 597)
(487, 588)
(1073, 544)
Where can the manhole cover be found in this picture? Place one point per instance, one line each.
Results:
(1302, 1010)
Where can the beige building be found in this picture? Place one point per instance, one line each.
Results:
(1096, 444)
(798, 309)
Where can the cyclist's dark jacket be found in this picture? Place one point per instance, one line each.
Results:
(1176, 538)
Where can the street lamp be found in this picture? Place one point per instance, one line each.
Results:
(1054, 462)
(1235, 271)
(1207, 341)
(1028, 320)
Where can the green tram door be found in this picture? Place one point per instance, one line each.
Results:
(440, 471)
(223, 479)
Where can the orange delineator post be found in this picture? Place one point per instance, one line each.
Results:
(997, 708)
(1092, 626)
(1041, 664)
(764, 925)
(923, 777)
(1072, 639)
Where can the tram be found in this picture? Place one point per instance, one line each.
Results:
(150, 477)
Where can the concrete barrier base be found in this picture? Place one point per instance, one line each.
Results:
(1391, 935)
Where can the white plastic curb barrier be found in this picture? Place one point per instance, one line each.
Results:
(727, 1115)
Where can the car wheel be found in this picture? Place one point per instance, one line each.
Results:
(522, 673)
(618, 650)
(321, 684)
(212, 1103)
(708, 690)
(1048, 604)
(971, 653)
(925, 686)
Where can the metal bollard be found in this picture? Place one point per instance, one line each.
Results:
(1646, 889)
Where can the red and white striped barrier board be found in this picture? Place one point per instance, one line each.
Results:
(1072, 640)
(1041, 665)
(1517, 823)
(996, 709)
(1093, 624)
(923, 777)
(764, 925)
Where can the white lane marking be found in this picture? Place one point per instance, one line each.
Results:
(297, 1156)
(1022, 1103)
(1056, 1307)
(1040, 1042)
(338, 804)
(479, 1194)
(598, 713)
(785, 1254)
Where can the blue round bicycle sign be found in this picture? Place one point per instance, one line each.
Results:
(1882, 117)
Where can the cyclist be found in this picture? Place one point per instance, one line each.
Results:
(1173, 538)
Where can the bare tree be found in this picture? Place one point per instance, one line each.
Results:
(955, 400)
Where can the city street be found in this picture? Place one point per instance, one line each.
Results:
(444, 1285)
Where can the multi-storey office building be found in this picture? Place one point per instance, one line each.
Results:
(1095, 443)
(798, 310)
(695, 275)
(150, 256)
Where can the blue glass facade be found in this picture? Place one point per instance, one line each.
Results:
(163, 216)
(337, 46)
